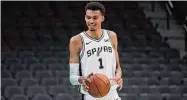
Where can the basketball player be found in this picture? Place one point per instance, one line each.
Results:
(96, 52)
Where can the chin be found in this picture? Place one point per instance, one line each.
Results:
(92, 29)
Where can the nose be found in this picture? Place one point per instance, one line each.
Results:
(91, 21)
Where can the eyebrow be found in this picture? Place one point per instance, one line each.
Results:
(90, 16)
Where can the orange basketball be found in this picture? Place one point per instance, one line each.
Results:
(99, 86)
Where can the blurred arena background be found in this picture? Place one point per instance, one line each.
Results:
(34, 48)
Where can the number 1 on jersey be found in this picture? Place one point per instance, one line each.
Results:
(101, 63)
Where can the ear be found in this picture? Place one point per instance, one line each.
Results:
(85, 17)
(103, 18)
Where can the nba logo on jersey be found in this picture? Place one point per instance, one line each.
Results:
(97, 55)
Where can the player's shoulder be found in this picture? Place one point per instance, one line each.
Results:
(111, 33)
(75, 39)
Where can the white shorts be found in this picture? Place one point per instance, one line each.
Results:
(112, 95)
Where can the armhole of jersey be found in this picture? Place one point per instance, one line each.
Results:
(110, 38)
(83, 48)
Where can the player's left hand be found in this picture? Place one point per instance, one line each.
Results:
(119, 81)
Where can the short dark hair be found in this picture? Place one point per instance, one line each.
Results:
(95, 6)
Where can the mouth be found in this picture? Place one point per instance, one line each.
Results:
(92, 25)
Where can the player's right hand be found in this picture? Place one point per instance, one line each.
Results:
(85, 82)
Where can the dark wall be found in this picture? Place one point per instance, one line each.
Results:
(180, 9)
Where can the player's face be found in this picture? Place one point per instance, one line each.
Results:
(93, 19)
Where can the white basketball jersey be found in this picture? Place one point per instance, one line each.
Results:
(97, 55)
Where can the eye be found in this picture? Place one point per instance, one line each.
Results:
(88, 17)
(95, 18)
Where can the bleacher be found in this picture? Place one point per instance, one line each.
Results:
(34, 61)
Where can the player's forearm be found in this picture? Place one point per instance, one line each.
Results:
(74, 74)
(118, 72)
(118, 67)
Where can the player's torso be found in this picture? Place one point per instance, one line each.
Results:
(97, 55)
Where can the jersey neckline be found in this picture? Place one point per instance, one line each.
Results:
(97, 40)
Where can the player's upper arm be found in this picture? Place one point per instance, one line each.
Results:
(115, 46)
(114, 40)
(74, 49)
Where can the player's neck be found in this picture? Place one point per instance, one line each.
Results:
(95, 34)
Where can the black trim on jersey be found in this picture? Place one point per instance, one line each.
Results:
(80, 69)
(82, 97)
(80, 74)
(83, 47)
(97, 40)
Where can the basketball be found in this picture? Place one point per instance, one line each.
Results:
(99, 85)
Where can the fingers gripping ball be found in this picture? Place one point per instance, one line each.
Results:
(99, 85)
